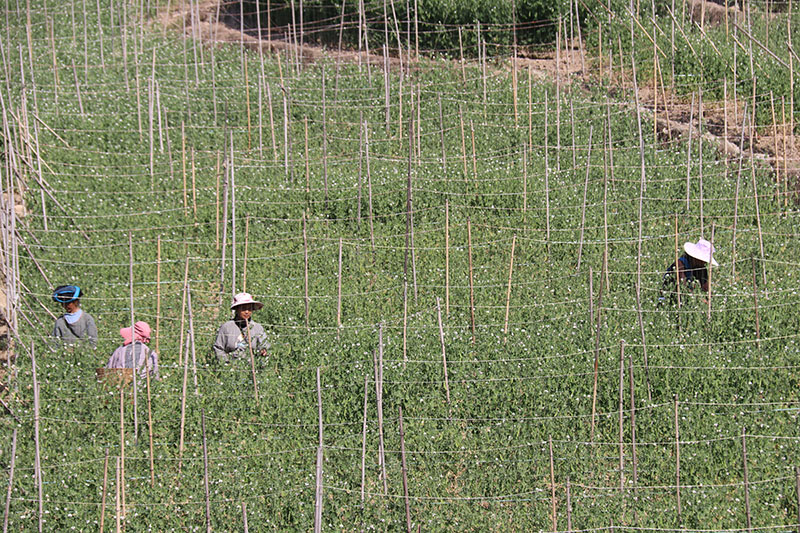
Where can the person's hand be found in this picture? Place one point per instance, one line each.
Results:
(263, 352)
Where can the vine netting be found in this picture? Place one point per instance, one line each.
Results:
(469, 249)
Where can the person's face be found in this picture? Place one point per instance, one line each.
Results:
(244, 312)
(71, 307)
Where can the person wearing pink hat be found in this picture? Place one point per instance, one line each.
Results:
(238, 336)
(692, 267)
(134, 352)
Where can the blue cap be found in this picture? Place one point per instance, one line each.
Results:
(66, 293)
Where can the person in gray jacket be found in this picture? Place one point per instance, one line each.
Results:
(75, 325)
(237, 337)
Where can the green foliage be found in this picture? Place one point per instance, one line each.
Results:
(480, 461)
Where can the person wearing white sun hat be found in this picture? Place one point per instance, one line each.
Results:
(238, 336)
(692, 266)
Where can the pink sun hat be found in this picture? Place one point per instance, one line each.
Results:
(141, 330)
(244, 298)
(703, 251)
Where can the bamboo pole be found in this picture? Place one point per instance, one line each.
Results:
(755, 303)
(121, 480)
(369, 192)
(104, 491)
(272, 124)
(633, 434)
(677, 462)
(404, 469)
(37, 442)
(205, 470)
(746, 481)
(339, 289)
(183, 169)
(183, 308)
(463, 142)
(447, 257)
(758, 217)
(183, 406)
(441, 136)
(471, 281)
(305, 271)
(585, 191)
(736, 194)
(444, 354)
(621, 419)
(379, 400)
(11, 481)
(364, 441)
(569, 508)
(319, 499)
(547, 176)
(553, 517)
(118, 501)
(596, 358)
(508, 290)
(194, 345)
(246, 244)
(244, 518)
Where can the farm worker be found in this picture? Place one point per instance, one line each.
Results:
(237, 337)
(75, 325)
(134, 348)
(692, 265)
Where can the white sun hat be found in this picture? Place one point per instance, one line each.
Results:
(244, 298)
(703, 251)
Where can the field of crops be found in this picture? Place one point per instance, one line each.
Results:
(461, 265)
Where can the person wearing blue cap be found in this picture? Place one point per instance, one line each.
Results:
(74, 325)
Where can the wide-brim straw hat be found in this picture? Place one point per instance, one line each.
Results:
(703, 251)
(141, 329)
(244, 298)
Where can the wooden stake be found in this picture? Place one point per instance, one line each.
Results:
(244, 518)
(104, 492)
(569, 508)
(444, 354)
(508, 290)
(621, 418)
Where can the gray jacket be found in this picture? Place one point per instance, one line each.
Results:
(231, 342)
(83, 330)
